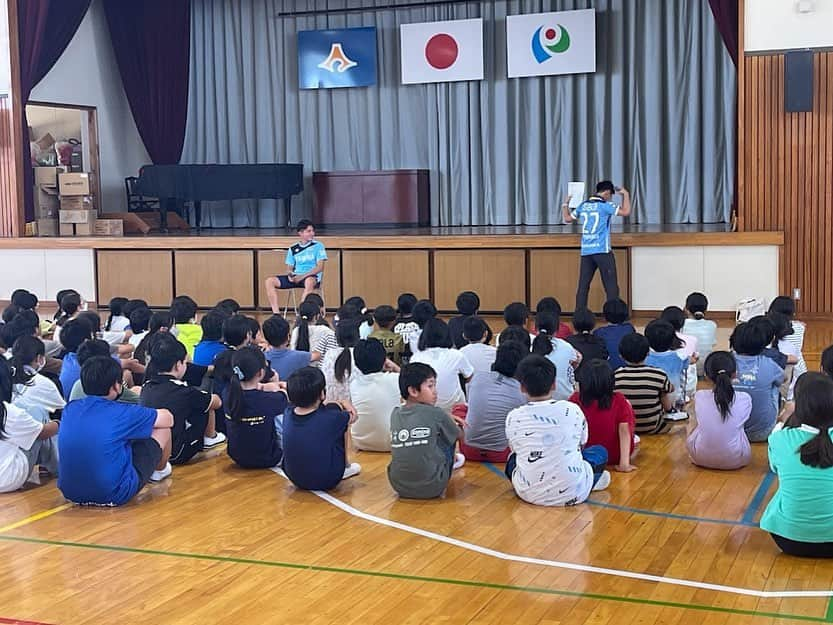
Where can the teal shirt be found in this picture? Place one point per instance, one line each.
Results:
(802, 507)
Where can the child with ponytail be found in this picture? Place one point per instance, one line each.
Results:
(565, 358)
(337, 366)
(800, 514)
(117, 321)
(718, 441)
(254, 411)
(310, 328)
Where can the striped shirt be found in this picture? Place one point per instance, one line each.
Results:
(796, 339)
(644, 387)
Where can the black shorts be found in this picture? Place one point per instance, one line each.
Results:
(190, 443)
(146, 457)
(286, 283)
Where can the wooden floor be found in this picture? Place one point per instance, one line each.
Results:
(669, 543)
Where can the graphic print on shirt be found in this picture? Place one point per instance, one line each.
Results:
(410, 438)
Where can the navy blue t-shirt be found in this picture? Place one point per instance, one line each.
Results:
(95, 463)
(253, 438)
(612, 335)
(313, 447)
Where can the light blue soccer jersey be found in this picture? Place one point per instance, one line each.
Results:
(305, 257)
(594, 216)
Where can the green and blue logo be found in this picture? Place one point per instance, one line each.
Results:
(550, 41)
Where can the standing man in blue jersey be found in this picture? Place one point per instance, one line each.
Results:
(594, 215)
(304, 263)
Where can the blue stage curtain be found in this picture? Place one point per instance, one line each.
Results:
(658, 116)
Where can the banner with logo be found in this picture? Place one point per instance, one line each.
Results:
(337, 58)
(441, 51)
(543, 44)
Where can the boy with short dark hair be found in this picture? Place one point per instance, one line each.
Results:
(385, 317)
(314, 434)
(477, 350)
(73, 334)
(193, 409)
(516, 315)
(189, 333)
(616, 314)
(422, 437)
(139, 325)
(211, 343)
(282, 360)
(468, 303)
(648, 389)
(374, 395)
(92, 349)
(548, 466)
(405, 325)
(109, 450)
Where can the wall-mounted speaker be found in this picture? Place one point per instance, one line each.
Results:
(798, 81)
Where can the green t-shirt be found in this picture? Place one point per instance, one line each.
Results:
(127, 396)
(422, 441)
(189, 335)
(802, 507)
(393, 342)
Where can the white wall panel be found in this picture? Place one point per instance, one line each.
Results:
(664, 276)
(70, 269)
(22, 269)
(734, 273)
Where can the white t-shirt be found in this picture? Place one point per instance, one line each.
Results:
(413, 340)
(497, 339)
(39, 398)
(547, 437)
(338, 391)
(119, 323)
(448, 363)
(20, 433)
(480, 355)
(561, 356)
(374, 397)
(137, 338)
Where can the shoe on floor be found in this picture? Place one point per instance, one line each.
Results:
(459, 461)
(636, 440)
(212, 441)
(676, 416)
(158, 476)
(354, 468)
(604, 481)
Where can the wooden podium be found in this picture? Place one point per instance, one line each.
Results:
(399, 197)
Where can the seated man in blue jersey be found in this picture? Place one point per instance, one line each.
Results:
(305, 263)
(594, 214)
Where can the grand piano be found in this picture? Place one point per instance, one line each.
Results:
(198, 183)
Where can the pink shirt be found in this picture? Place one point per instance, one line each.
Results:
(719, 444)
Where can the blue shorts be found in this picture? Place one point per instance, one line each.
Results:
(286, 283)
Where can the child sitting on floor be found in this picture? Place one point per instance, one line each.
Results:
(616, 314)
(548, 466)
(282, 360)
(91, 349)
(551, 305)
(74, 333)
(468, 303)
(34, 392)
(424, 311)
(184, 311)
(311, 331)
(211, 342)
(718, 440)
(385, 317)
(648, 389)
(254, 412)
(116, 320)
(609, 415)
(702, 329)
(786, 306)
(108, 450)
(405, 324)
(314, 434)
(374, 394)
(139, 325)
(422, 437)
(588, 345)
(479, 353)
(559, 352)
(516, 315)
(664, 355)
(435, 350)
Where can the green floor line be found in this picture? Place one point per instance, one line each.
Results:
(418, 578)
(829, 615)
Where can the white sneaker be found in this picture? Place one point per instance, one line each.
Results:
(212, 441)
(459, 461)
(636, 440)
(604, 481)
(676, 416)
(158, 476)
(354, 468)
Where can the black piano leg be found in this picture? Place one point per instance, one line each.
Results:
(198, 213)
(287, 210)
(165, 205)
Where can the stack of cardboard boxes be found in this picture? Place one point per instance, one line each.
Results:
(46, 200)
(77, 213)
(64, 205)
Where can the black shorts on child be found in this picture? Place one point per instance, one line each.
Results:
(146, 457)
(286, 283)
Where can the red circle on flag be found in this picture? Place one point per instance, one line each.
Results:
(550, 34)
(441, 51)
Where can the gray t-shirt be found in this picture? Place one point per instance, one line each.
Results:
(491, 397)
(422, 450)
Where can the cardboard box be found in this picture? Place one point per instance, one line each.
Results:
(74, 184)
(48, 176)
(47, 227)
(46, 202)
(66, 230)
(77, 217)
(77, 202)
(85, 229)
(45, 142)
(109, 228)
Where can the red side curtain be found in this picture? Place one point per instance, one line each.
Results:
(45, 28)
(151, 40)
(726, 16)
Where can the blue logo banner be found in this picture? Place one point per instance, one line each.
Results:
(337, 58)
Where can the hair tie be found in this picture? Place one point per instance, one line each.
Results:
(304, 318)
(239, 373)
(541, 331)
(721, 372)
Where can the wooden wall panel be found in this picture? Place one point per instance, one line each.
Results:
(210, 276)
(380, 277)
(146, 275)
(785, 174)
(270, 263)
(497, 276)
(11, 218)
(555, 273)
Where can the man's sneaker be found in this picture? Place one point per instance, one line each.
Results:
(354, 468)
(604, 481)
(158, 476)
(459, 461)
(212, 441)
(676, 416)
